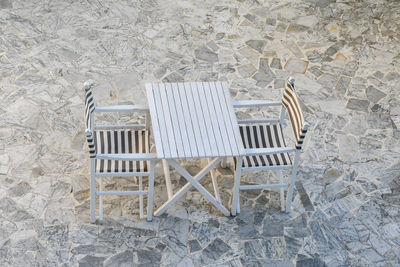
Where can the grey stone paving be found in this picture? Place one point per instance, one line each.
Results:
(345, 56)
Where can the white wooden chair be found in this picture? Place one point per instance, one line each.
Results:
(118, 151)
(265, 146)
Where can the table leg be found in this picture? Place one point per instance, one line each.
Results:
(167, 178)
(186, 188)
(215, 184)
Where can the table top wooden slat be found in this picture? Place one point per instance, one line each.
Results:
(188, 120)
(209, 127)
(181, 119)
(154, 122)
(175, 121)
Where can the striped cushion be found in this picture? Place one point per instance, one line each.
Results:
(263, 136)
(121, 141)
(289, 100)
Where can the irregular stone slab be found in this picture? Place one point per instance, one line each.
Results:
(89, 261)
(272, 228)
(122, 259)
(358, 104)
(276, 63)
(305, 200)
(203, 53)
(194, 245)
(257, 45)
(336, 107)
(348, 148)
(5, 4)
(373, 94)
(4, 161)
(148, 256)
(274, 248)
(296, 65)
(314, 262)
(246, 70)
(253, 248)
(216, 249)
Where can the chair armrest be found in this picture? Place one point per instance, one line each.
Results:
(254, 103)
(268, 151)
(132, 157)
(120, 108)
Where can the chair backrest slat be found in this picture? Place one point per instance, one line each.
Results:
(289, 100)
(89, 108)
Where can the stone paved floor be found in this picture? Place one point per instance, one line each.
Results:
(345, 57)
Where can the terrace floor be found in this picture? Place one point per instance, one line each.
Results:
(345, 57)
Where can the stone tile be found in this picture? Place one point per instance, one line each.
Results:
(216, 249)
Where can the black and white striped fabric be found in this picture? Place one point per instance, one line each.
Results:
(289, 100)
(121, 141)
(263, 136)
(89, 104)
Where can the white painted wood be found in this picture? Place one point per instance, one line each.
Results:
(234, 123)
(289, 197)
(121, 108)
(202, 124)
(254, 103)
(126, 156)
(282, 191)
(195, 121)
(267, 168)
(220, 118)
(121, 193)
(188, 121)
(262, 186)
(236, 186)
(167, 118)
(141, 198)
(198, 186)
(214, 120)
(227, 120)
(175, 122)
(258, 121)
(268, 150)
(150, 196)
(167, 176)
(215, 183)
(92, 190)
(121, 174)
(161, 121)
(119, 127)
(209, 127)
(154, 120)
(186, 187)
(181, 121)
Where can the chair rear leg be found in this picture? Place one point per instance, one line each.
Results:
(92, 191)
(150, 192)
(141, 198)
(235, 195)
(282, 191)
(289, 197)
(101, 199)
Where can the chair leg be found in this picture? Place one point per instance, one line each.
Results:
(101, 200)
(168, 183)
(236, 187)
(282, 191)
(289, 197)
(150, 192)
(92, 191)
(141, 198)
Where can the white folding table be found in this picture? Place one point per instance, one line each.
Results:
(193, 120)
